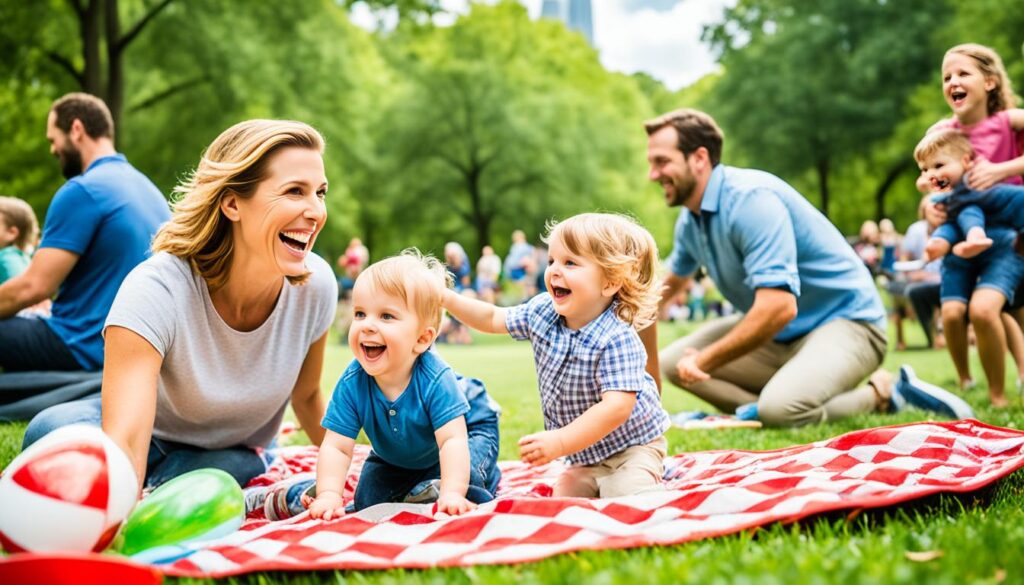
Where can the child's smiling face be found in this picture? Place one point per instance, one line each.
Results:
(577, 285)
(964, 86)
(943, 170)
(386, 335)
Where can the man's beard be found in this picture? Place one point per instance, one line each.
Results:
(682, 191)
(70, 161)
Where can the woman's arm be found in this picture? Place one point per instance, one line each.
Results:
(453, 444)
(132, 368)
(331, 470)
(590, 427)
(307, 400)
(477, 314)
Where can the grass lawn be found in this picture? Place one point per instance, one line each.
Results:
(974, 537)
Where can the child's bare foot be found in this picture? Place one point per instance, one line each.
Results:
(967, 384)
(970, 249)
(999, 401)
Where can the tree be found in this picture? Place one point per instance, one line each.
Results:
(504, 123)
(809, 88)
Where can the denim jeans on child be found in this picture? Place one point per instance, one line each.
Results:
(382, 482)
(166, 459)
(998, 268)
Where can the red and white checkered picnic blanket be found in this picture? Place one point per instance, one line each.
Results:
(708, 494)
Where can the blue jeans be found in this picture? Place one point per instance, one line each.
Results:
(382, 482)
(166, 459)
(30, 345)
(998, 268)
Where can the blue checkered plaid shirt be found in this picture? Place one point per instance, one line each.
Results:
(575, 367)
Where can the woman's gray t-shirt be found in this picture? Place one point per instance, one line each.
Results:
(219, 387)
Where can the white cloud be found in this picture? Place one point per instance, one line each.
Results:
(658, 37)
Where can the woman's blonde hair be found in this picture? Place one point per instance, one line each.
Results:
(625, 251)
(235, 163)
(18, 213)
(417, 279)
(1000, 97)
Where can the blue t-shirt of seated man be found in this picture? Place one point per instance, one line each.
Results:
(108, 216)
(1001, 205)
(756, 231)
(401, 432)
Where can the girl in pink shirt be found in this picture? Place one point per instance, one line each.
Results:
(978, 90)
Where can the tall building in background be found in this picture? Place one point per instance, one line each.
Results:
(580, 19)
(551, 9)
(575, 14)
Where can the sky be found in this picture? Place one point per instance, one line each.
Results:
(658, 37)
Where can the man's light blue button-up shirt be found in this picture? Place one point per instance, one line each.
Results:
(756, 231)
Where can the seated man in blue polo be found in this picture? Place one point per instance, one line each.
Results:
(98, 227)
(811, 324)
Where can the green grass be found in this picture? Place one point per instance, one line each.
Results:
(979, 535)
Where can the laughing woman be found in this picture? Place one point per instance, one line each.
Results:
(208, 340)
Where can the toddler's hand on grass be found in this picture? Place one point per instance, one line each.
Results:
(327, 505)
(540, 448)
(454, 504)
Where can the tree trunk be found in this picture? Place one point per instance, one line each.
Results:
(481, 219)
(894, 173)
(115, 65)
(822, 168)
(92, 71)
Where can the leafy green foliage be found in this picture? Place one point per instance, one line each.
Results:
(810, 87)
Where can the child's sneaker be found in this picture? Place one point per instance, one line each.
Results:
(284, 498)
(425, 492)
(925, 396)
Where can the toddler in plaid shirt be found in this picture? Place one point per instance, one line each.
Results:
(601, 408)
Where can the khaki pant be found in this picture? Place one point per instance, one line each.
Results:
(805, 381)
(630, 471)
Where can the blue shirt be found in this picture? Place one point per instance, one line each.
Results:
(755, 231)
(401, 432)
(1002, 205)
(108, 216)
(575, 367)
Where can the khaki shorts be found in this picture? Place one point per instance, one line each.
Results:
(630, 471)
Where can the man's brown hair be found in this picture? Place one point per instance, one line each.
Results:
(89, 109)
(694, 129)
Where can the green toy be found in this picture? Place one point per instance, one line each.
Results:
(198, 506)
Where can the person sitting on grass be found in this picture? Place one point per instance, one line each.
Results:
(601, 409)
(407, 399)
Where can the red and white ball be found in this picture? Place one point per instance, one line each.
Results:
(69, 491)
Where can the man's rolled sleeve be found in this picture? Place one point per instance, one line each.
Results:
(764, 232)
(681, 262)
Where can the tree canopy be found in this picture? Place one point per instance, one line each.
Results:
(494, 122)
